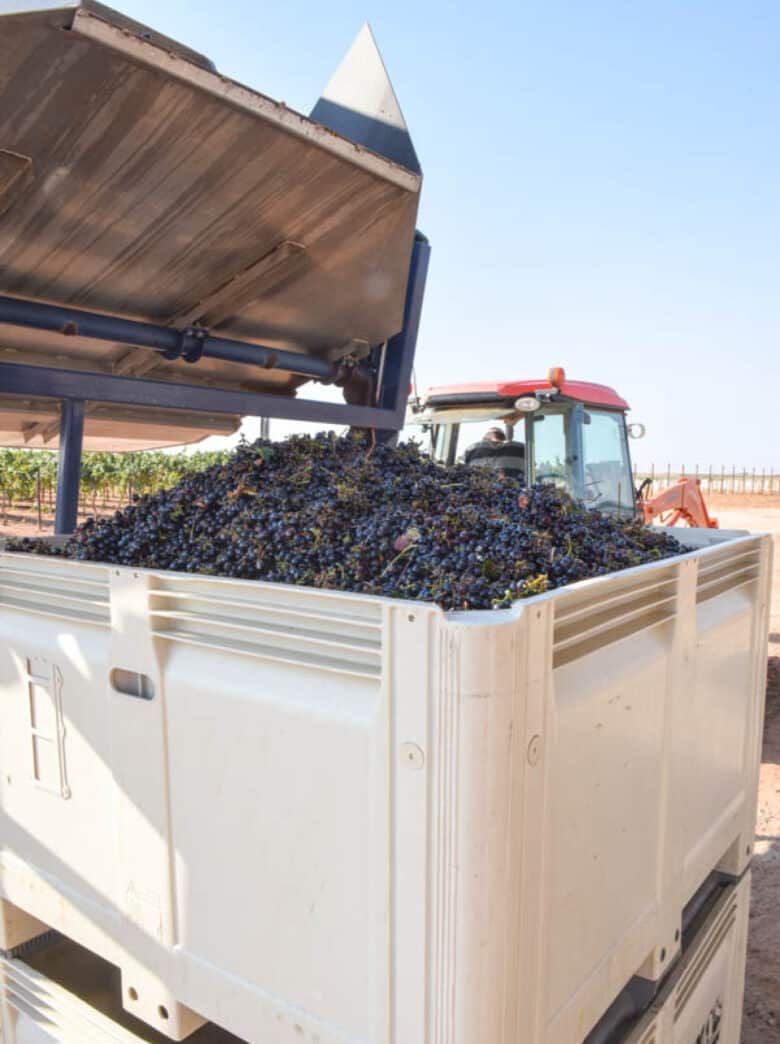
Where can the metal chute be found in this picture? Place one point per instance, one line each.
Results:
(137, 182)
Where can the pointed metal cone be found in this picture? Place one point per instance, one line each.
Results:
(360, 104)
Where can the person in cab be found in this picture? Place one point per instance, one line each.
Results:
(494, 451)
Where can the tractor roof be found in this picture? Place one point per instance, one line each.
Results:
(479, 392)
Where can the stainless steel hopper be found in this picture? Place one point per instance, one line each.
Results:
(138, 184)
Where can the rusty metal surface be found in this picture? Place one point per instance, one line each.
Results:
(137, 181)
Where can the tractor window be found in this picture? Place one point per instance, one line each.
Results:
(608, 483)
(451, 441)
(472, 432)
(445, 440)
(507, 455)
(550, 456)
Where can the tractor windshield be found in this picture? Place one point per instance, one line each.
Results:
(579, 448)
(583, 450)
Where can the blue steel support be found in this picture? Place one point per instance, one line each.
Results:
(399, 352)
(69, 466)
(190, 343)
(51, 383)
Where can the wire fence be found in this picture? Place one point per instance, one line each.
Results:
(733, 480)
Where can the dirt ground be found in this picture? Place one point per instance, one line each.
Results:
(761, 1023)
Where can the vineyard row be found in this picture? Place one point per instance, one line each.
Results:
(27, 476)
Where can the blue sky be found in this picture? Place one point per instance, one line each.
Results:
(601, 189)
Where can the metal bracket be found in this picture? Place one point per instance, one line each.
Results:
(189, 346)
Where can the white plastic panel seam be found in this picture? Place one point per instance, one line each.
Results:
(481, 875)
(535, 676)
(525, 755)
(759, 666)
(140, 762)
(679, 686)
(444, 818)
(145, 864)
(412, 634)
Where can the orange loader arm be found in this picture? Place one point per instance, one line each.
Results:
(685, 502)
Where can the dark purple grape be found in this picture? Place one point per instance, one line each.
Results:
(326, 512)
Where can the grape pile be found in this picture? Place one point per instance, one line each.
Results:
(335, 513)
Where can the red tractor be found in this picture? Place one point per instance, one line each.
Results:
(572, 433)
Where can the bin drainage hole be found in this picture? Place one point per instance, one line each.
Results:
(677, 935)
(663, 954)
(132, 993)
(162, 1011)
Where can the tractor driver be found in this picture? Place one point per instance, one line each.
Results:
(494, 451)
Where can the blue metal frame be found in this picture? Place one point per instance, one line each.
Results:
(48, 382)
(189, 344)
(391, 369)
(393, 392)
(69, 465)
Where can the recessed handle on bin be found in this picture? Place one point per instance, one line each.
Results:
(131, 683)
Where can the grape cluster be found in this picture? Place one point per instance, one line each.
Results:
(336, 513)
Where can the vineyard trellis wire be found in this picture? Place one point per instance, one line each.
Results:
(108, 480)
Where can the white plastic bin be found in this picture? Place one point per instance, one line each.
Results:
(323, 818)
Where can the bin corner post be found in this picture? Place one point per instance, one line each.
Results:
(399, 350)
(69, 465)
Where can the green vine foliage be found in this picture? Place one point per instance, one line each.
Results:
(105, 477)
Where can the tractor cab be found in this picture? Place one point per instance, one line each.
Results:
(570, 433)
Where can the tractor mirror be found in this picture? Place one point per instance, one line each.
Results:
(636, 431)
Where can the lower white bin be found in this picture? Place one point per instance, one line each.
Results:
(701, 1002)
(64, 993)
